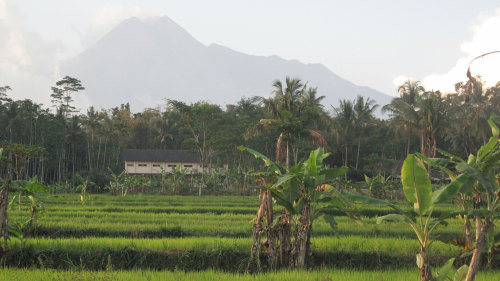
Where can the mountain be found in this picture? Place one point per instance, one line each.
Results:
(145, 61)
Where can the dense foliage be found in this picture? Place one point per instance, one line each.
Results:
(56, 143)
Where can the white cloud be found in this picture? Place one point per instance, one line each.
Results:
(484, 39)
(399, 80)
(27, 61)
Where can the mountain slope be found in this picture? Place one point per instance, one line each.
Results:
(145, 61)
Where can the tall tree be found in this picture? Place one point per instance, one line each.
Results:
(90, 123)
(343, 127)
(431, 121)
(62, 94)
(201, 124)
(286, 108)
(403, 110)
(472, 107)
(3, 92)
(363, 115)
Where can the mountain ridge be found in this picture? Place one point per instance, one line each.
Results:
(145, 61)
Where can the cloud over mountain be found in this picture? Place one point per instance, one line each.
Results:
(145, 61)
(27, 61)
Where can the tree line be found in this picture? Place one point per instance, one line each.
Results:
(56, 143)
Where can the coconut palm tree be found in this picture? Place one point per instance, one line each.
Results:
(363, 117)
(403, 110)
(470, 108)
(343, 127)
(291, 115)
(432, 115)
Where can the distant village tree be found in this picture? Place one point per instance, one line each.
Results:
(201, 124)
(3, 92)
(62, 94)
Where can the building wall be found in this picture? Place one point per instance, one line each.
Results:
(144, 167)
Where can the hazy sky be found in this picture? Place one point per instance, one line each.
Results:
(372, 43)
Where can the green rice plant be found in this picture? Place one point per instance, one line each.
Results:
(10, 274)
(139, 224)
(196, 253)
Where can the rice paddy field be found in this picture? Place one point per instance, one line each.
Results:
(156, 237)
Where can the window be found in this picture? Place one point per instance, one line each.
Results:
(156, 165)
(172, 166)
(188, 166)
(130, 164)
(142, 165)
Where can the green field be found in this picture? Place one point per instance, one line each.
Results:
(316, 275)
(190, 238)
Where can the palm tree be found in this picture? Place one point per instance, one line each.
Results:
(287, 109)
(431, 122)
(90, 123)
(403, 110)
(363, 115)
(470, 110)
(343, 127)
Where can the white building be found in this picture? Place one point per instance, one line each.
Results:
(149, 161)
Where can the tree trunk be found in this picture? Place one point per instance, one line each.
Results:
(202, 180)
(357, 155)
(265, 211)
(98, 153)
(73, 158)
(104, 153)
(284, 238)
(295, 153)
(287, 155)
(301, 245)
(425, 270)
(468, 234)
(4, 203)
(88, 155)
(481, 231)
(408, 144)
(345, 160)
(270, 241)
(422, 145)
(346, 155)
(434, 145)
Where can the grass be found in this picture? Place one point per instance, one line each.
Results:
(81, 222)
(187, 204)
(201, 253)
(315, 275)
(393, 246)
(186, 233)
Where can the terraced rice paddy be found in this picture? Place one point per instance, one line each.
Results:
(191, 238)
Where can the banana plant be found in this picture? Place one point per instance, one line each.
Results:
(163, 179)
(377, 185)
(29, 189)
(464, 197)
(120, 182)
(178, 179)
(480, 196)
(418, 190)
(84, 184)
(483, 169)
(305, 193)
